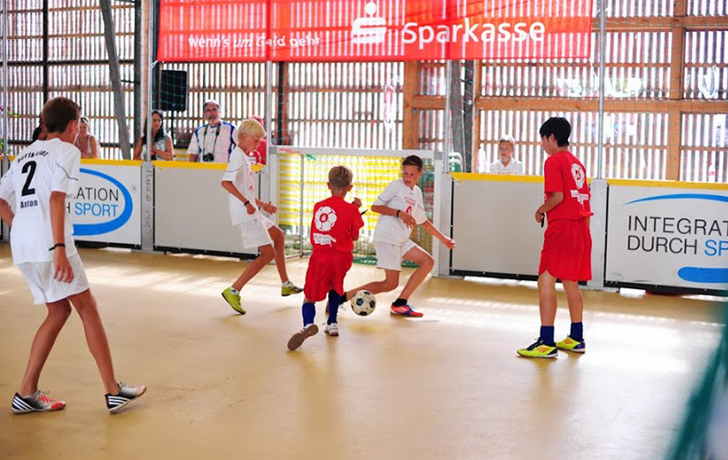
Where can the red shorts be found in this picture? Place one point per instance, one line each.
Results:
(326, 272)
(566, 252)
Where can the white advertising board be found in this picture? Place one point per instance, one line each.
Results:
(106, 206)
(675, 237)
(191, 211)
(493, 225)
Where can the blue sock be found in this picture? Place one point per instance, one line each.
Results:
(309, 313)
(334, 302)
(547, 335)
(577, 331)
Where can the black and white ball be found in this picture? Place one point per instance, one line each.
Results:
(363, 303)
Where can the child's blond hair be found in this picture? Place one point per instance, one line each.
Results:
(340, 177)
(251, 128)
(508, 138)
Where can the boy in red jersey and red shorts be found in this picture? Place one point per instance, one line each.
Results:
(566, 253)
(334, 229)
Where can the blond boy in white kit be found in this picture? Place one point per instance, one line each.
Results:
(256, 230)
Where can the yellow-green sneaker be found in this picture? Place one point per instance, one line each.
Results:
(289, 288)
(539, 349)
(233, 300)
(569, 344)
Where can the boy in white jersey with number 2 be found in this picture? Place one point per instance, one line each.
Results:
(401, 208)
(41, 241)
(256, 230)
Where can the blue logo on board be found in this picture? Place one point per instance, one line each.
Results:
(117, 219)
(712, 247)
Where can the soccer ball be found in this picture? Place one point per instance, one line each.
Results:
(363, 303)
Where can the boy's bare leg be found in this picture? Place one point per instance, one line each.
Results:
(425, 262)
(547, 298)
(576, 302)
(390, 283)
(279, 242)
(85, 305)
(267, 253)
(58, 313)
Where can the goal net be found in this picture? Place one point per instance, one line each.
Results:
(302, 178)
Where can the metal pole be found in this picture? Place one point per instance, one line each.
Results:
(115, 77)
(138, 69)
(447, 118)
(147, 169)
(602, 45)
(150, 78)
(300, 211)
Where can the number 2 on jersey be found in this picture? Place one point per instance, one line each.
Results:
(29, 169)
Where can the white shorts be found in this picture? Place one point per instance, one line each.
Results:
(254, 232)
(45, 289)
(389, 256)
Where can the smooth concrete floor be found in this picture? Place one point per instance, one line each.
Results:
(448, 386)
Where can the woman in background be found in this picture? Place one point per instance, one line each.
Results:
(86, 142)
(161, 147)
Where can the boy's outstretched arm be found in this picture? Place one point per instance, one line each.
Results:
(429, 228)
(6, 213)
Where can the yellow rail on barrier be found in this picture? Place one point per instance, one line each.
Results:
(187, 165)
(461, 176)
(667, 184)
(94, 161)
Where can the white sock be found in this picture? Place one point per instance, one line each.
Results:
(234, 291)
(288, 283)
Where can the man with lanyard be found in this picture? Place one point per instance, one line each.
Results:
(214, 141)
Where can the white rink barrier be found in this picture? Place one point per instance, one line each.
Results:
(191, 212)
(645, 234)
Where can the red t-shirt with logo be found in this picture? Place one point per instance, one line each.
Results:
(260, 153)
(335, 224)
(564, 173)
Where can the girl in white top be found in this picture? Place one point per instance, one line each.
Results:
(401, 208)
(162, 148)
(86, 142)
(506, 164)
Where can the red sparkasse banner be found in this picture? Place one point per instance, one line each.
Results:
(372, 30)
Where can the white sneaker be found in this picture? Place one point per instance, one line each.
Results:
(297, 339)
(332, 330)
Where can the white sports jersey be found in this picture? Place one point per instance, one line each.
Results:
(41, 168)
(213, 143)
(398, 195)
(514, 167)
(240, 173)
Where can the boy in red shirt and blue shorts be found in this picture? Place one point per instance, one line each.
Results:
(566, 253)
(334, 229)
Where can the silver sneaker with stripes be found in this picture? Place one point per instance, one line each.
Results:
(127, 393)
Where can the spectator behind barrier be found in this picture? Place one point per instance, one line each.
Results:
(86, 142)
(40, 132)
(162, 148)
(506, 164)
(260, 154)
(215, 140)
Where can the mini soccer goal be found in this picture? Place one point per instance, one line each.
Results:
(302, 174)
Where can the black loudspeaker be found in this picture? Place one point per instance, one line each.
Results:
(173, 90)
